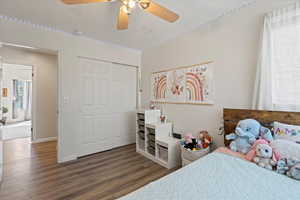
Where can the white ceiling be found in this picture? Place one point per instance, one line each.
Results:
(98, 20)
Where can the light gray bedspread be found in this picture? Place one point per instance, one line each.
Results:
(220, 177)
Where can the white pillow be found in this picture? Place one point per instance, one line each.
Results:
(286, 148)
(286, 131)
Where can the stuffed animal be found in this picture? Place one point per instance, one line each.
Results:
(265, 156)
(266, 134)
(246, 133)
(205, 139)
(292, 162)
(282, 167)
(252, 153)
(294, 168)
(188, 138)
(190, 142)
(294, 172)
(193, 145)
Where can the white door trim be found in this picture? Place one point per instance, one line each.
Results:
(59, 100)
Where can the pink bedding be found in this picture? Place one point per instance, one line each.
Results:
(231, 153)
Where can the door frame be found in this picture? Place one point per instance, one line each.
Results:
(58, 54)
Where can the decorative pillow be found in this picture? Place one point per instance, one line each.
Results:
(286, 148)
(286, 131)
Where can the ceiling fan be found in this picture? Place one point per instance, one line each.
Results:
(129, 5)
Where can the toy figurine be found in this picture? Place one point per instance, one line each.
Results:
(205, 139)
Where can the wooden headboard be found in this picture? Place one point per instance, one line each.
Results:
(266, 118)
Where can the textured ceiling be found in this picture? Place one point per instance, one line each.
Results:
(98, 20)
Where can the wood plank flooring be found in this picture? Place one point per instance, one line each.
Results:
(31, 172)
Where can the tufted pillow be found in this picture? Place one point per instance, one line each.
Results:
(286, 131)
(286, 148)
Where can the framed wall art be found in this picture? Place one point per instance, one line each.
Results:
(184, 85)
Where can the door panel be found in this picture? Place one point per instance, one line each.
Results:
(107, 106)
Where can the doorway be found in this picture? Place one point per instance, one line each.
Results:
(29, 93)
(16, 101)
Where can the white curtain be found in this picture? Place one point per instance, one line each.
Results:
(278, 73)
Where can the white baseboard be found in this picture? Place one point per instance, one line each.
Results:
(67, 159)
(49, 139)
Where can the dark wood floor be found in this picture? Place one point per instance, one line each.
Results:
(31, 172)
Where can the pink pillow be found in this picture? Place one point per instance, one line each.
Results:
(231, 153)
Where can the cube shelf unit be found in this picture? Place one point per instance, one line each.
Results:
(154, 139)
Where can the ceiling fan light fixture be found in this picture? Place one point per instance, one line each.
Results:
(144, 4)
(126, 9)
(131, 3)
(127, 6)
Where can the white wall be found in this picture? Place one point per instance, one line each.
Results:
(69, 47)
(45, 89)
(233, 44)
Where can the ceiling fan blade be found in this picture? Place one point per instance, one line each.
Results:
(159, 10)
(83, 1)
(122, 19)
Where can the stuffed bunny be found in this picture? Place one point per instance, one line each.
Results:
(265, 156)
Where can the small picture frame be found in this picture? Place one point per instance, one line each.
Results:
(4, 92)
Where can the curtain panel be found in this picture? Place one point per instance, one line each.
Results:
(277, 84)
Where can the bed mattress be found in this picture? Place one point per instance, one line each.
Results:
(218, 176)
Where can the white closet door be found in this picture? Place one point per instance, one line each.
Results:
(107, 105)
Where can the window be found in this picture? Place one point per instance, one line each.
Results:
(285, 57)
(278, 77)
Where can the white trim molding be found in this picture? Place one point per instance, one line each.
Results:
(40, 140)
(67, 159)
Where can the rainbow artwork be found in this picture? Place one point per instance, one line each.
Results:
(197, 84)
(183, 85)
(159, 85)
(194, 87)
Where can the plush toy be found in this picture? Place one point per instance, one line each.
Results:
(190, 142)
(266, 134)
(294, 168)
(193, 145)
(188, 138)
(294, 172)
(282, 166)
(205, 139)
(252, 153)
(245, 135)
(265, 157)
(292, 162)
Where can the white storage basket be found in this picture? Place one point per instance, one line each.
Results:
(188, 155)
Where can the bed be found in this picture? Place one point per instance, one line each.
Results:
(223, 176)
